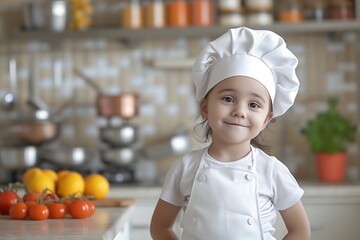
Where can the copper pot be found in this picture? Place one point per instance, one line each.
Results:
(34, 132)
(124, 105)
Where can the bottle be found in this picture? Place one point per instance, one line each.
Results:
(178, 13)
(131, 16)
(342, 9)
(202, 12)
(291, 11)
(155, 14)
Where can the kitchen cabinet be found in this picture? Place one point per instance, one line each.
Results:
(332, 212)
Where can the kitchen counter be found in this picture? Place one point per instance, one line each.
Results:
(106, 223)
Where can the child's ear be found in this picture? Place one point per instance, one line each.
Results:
(204, 108)
(268, 119)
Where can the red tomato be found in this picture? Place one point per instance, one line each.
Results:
(38, 212)
(30, 197)
(30, 203)
(18, 211)
(51, 196)
(7, 198)
(91, 207)
(79, 209)
(57, 210)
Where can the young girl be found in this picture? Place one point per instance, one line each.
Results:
(231, 189)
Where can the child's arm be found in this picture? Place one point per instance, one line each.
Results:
(163, 220)
(296, 222)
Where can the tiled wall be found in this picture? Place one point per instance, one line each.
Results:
(328, 66)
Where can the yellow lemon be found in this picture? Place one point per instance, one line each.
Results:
(37, 181)
(28, 172)
(51, 173)
(96, 185)
(70, 183)
(62, 173)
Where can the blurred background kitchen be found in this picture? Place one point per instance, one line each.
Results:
(104, 85)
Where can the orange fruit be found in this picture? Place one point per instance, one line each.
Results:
(96, 185)
(51, 173)
(70, 183)
(37, 181)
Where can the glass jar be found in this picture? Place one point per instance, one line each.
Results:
(202, 12)
(178, 13)
(155, 14)
(262, 18)
(316, 10)
(291, 11)
(232, 18)
(259, 5)
(228, 5)
(342, 9)
(131, 16)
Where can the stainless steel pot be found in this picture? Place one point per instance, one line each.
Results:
(66, 156)
(119, 156)
(13, 158)
(121, 136)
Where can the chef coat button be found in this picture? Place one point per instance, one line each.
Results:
(249, 177)
(251, 221)
(193, 219)
(201, 178)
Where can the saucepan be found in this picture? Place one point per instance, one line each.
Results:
(13, 158)
(66, 156)
(121, 136)
(124, 156)
(125, 105)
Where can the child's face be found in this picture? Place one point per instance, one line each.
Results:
(237, 109)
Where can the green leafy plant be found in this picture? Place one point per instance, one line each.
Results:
(329, 131)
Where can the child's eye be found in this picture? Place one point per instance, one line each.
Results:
(254, 105)
(228, 99)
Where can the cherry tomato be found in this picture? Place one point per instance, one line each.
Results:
(30, 203)
(18, 211)
(57, 210)
(7, 198)
(91, 207)
(38, 212)
(79, 209)
(51, 196)
(31, 197)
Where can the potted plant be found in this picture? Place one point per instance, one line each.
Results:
(328, 133)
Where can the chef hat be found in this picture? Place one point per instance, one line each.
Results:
(258, 54)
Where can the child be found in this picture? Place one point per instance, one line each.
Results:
(231, 189)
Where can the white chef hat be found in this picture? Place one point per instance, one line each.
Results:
(258, 54)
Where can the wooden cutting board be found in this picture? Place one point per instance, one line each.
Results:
(114, 202)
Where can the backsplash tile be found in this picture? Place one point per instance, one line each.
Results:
(327, 66)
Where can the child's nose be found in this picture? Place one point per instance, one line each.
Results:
(239, 111)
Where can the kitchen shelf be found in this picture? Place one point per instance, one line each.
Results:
(134, 35)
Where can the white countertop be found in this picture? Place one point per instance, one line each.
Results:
(104, 224)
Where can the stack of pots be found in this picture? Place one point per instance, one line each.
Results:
(119, 142)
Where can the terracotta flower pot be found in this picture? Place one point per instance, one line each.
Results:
(331, 167)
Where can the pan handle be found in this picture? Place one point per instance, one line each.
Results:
(89, 81)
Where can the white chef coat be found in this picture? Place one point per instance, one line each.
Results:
(277, 188)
